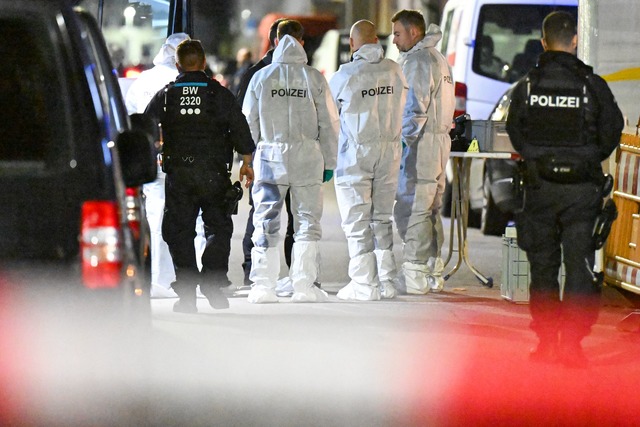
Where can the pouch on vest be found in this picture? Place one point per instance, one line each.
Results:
(563, 171)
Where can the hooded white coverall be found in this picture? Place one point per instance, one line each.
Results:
(370, 93)
(426, 123)
(294, 122)
(148, 83)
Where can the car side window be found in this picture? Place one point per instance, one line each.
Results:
(103, 76)
(507, 43)
(29, 122)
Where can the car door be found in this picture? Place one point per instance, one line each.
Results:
(44, 104)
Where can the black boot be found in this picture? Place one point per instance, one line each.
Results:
(187, 301)
(246, 268)
(570, 352)
(217, 299)
(547, 349)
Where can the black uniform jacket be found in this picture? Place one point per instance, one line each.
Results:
(602, 126)
(199, 117)
(246, 77)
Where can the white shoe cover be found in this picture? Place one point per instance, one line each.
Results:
(158, 291)
(356, 292)
(436, 283)
(434, 276)
(261, 295)
(304, 264)
(387, 290)
(400, 286)
(415, 278)
(386, 263)
(284, 287)
(312, 294)
(265, 266)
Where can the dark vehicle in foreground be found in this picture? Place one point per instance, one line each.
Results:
(70, 163)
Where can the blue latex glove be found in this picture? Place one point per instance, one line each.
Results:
(404, 144)
(327, 175)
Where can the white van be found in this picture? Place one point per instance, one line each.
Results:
(490, 44)
(334, 50)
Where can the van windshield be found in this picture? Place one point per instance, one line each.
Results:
(508, 44)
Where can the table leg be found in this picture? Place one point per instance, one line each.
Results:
(456, 213)
(459, 218)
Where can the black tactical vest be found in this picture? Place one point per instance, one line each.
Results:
(194, 122)
(559, 108)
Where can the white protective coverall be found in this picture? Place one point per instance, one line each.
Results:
(136, 99)
(426, 123)
(370, 93)
(294, 122)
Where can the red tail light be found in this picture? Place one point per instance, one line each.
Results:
(132, 73)
(100, 245)
(133, 211)
(461, 99)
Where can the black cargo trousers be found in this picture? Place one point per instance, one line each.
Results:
(188, 189)
(557, 223)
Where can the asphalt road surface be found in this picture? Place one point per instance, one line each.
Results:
(455, 358)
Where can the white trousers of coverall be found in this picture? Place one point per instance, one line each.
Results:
(366, 180)
(418, 200)
(162, 271)
(279, 167)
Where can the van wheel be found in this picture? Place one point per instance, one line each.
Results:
(492, 220)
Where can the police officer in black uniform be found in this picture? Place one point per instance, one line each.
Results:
(564, 121)
(201, 125)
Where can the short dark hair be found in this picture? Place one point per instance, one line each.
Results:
(190, 54)
(292, 28)
(273, 31)
(559, 28)
(410, 17)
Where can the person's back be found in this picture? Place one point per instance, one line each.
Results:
(292, 118)
(282, 96)
(150, 81)
(370, 93)
(379, 82)
(202, 124)
(137, 98)
(563, 120)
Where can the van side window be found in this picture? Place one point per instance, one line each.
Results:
(447, 32)
(507, 43)
(28, 126)
(450, 35)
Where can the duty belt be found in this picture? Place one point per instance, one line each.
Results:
(187, 159)
(171, 161)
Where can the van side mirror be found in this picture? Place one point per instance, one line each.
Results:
(138, 155)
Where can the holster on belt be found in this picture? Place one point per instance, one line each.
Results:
(530, 178)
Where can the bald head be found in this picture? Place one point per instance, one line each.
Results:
(362, 32)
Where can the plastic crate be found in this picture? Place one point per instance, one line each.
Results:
(514, 286)
(491, 136)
